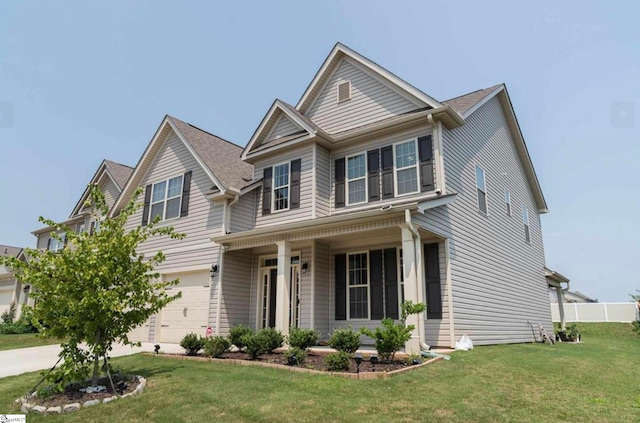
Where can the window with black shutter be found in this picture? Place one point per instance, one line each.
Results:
(432, 273)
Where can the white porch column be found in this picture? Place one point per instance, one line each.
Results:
(410, 272)
(563, 324)
(282, 289)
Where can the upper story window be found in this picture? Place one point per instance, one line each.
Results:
(356, 179)
(57, 245)
(481, 189)
(406, 167)
(344, 91)
(507, 202)
(281, 187)
(166, 199)
(525, 221)
(358, 292)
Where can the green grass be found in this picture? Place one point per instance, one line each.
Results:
(593, 381)
(10, 342)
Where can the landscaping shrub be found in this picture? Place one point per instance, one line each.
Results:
(299, 354)
(274, 338)
(636, 327)
(237, 332)
(337, 362)
(255, 344)
(9, 315)
(572, 332)
(345, 340)
(192, 343)
(303, 338)
(23, 325)
(216, 346)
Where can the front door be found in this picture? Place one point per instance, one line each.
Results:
(269, 286)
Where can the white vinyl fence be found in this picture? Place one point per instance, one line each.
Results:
(596, 312)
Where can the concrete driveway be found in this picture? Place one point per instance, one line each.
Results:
(22, 360)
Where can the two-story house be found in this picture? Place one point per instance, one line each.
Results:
(12, 291)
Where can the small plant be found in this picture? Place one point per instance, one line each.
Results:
(337, 362)
(255, 344)
(237, 332)
(636, 327)
(572, 332)
(9, 315)
(414, 359)
(216, 346)
(345, 340)
(295, 356)
(303, 338)
(192, 343)
(274, 338)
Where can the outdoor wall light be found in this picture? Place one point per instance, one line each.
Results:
(374, 361)
(214, 271)
(305, 267)
(26, 288)
(156, 348)
(292, 360)
(358, 359)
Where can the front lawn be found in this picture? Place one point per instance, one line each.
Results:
(10, 342)
(593, 381)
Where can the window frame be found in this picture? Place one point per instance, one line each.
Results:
(367, 285)
(347, 180)
(273, 187)
(484, 191)
(338, 101)
(59, 244)
(527, 225)
(396, 169)
(166, 199)
(507, 202)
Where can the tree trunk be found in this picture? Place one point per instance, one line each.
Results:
(96, 360)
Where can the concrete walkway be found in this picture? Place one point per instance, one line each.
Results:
(22, 360)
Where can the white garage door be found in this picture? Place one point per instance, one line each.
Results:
(140, 334)
(190, 313)
(6, 295)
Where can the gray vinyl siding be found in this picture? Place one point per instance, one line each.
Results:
(497, 278)
(322, 269)
(111, 192)
(304, 153)
(284, 127)
(323, 181)
(372, 144)
(255, 290)
(305, 290)
(371, 100)
(195, 251)
(235, 289)
(243, 213)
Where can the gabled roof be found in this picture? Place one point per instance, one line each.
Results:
(467, 102)
(280, 108)
(338, 52)
(9, 251)
(117, 172)
(220, 159)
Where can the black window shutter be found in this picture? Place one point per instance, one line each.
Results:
(295, 184)
(376, 285)
(425, 148)
(186, 189)
(339, 178)
(266, 190)
(145, 209)
(373, 164)
(391, 283)
(387, 171)
(432, 273)
(341, 286)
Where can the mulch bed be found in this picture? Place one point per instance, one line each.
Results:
(72, 394)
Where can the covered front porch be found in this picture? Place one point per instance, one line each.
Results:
(331, 273)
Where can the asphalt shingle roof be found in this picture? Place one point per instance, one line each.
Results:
(119, 172)
(7, 250)
(466, 101)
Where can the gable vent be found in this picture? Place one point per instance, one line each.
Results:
(344, 91)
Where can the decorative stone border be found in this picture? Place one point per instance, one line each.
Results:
(26, 408)
(358, 376)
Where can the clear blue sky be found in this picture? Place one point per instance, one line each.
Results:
(82, 81)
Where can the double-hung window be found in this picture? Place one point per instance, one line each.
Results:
(281, 187)
(358, 292)
(481, 187)
(165, 198)
(406, 167)
(356, 179)
(57, 245)
(525, 221)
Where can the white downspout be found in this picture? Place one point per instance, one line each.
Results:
(419, 280)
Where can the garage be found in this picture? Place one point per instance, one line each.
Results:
(6, 295)
(140, 334)
(190, 313)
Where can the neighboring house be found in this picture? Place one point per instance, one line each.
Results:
(577, 297)
(11, 289)
(111, 178)
(365, 193)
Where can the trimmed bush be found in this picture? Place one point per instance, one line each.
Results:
(299, 354)
(303, 338)
(237, 332)
(345, 340)
(255, 344)
(274, 338)
(337, 362)
(216, 346)
(192, 343)
(9, 315)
